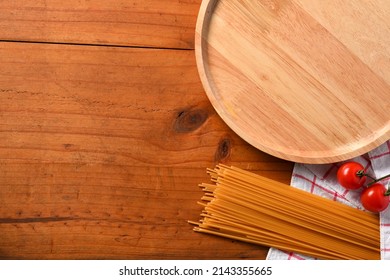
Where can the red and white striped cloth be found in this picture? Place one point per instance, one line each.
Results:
(321, 180)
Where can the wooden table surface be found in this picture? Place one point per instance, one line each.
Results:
(106, 132)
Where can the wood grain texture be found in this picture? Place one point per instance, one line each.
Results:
(152, 23)
(102, 150)
(306, 81)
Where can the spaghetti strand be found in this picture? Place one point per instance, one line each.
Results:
(245, 206)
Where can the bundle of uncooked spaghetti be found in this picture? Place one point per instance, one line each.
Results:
(245, 206)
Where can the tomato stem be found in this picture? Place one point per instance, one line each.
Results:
(361, 174)
(387, 193)
(377, 180)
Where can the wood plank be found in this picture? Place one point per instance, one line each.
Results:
(102, 150)
(153, 23)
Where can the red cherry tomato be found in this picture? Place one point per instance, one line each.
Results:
(375, 198)
(348, 175)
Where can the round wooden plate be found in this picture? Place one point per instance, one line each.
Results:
(303, 80)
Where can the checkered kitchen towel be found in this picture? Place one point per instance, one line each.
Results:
(321, 180)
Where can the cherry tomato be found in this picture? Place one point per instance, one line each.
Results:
(348, 175)
(375, 198)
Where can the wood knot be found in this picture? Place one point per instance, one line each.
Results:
(187, 121)
(223, 150)
(68, 146)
